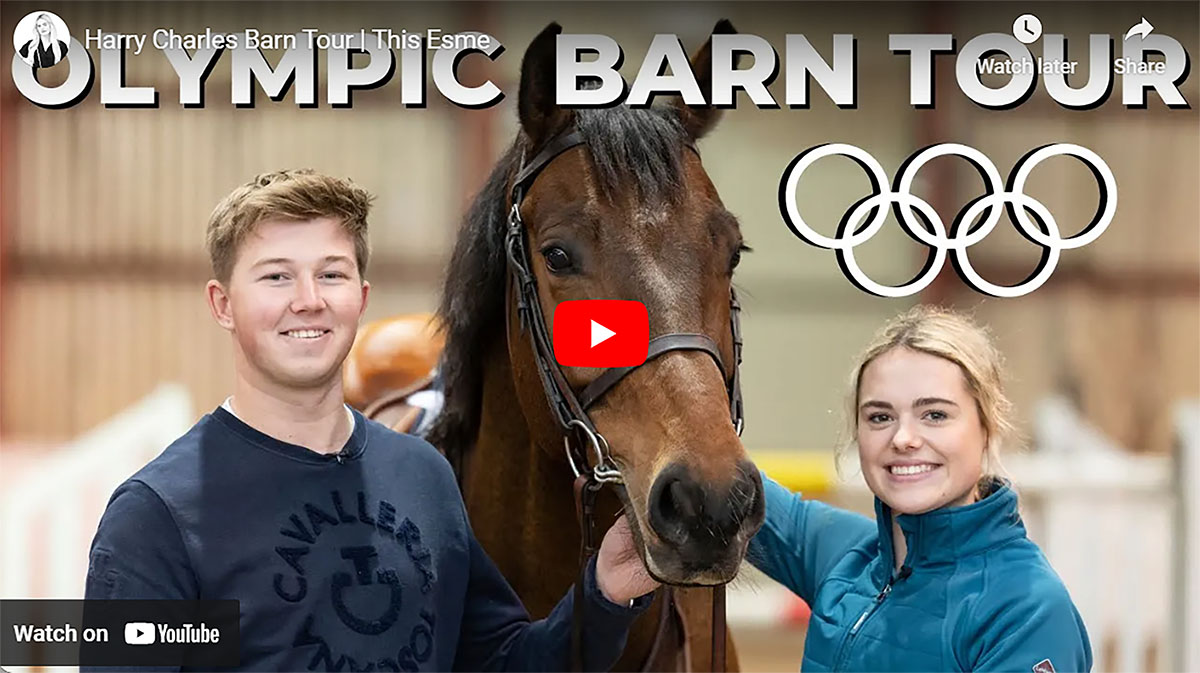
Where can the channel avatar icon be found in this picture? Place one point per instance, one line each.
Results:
(601, 333)
(41, 40)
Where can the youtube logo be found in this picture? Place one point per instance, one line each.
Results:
(139, 633)
(601, 333)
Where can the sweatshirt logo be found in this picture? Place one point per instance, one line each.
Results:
(362, 557)
(366, 597)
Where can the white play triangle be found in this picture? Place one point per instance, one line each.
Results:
(600, 333)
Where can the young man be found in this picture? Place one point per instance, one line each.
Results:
(346, 544)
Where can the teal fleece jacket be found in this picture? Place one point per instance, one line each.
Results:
(974, 593)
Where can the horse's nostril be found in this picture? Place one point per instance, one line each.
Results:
(682, 505)
(666, 502)
(672, 505)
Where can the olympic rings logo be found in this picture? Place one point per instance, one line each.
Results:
(925, 226)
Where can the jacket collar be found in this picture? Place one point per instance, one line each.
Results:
(947, 534)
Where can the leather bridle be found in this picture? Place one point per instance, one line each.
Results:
(579, 433)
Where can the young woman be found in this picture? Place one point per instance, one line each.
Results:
(45, 49)
(945, 578)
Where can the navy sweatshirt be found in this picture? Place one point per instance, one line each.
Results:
(360, 560)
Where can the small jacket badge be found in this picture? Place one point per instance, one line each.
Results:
(1043, 666)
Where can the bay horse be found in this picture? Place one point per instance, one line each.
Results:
(626, 211)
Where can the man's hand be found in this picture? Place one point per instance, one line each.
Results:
(620, 573)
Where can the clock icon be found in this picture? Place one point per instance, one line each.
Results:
(1027, 28)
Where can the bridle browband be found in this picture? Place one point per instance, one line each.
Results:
(571, 410)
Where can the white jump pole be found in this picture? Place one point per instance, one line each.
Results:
(1187, 556)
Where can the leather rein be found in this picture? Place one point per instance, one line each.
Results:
(579, 433)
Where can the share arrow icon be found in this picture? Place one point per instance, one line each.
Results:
(1141, 29)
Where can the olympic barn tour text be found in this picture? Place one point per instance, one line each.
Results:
(664, 71)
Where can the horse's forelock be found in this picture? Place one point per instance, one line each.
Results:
(638, 148)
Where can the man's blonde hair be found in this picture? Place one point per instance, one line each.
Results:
(298, 194)
(955, 337)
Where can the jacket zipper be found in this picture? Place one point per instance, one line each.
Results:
(862, 619)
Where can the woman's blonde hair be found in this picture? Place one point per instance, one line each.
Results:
(955, 337)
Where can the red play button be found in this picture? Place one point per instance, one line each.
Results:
(601, 333)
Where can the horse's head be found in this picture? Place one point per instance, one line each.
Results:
(631, 214)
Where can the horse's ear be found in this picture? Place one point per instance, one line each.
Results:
(698, 121)
(540, 115)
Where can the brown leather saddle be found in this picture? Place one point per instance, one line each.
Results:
(391, 360)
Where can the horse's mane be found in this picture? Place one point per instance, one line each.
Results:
(629, 148)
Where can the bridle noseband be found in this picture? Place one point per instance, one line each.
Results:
(571, 410)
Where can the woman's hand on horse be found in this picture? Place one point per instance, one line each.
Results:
(620, 573)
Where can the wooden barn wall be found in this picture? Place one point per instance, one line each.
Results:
(104, 213)
(1116, 329)
(106, 210)
(106, 261)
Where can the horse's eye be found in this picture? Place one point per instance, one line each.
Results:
(557, 259)
(737, 256)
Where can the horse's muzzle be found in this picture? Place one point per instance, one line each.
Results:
(703, 526)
